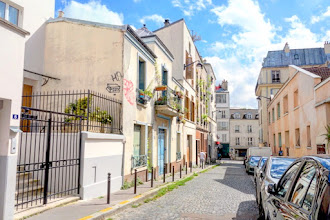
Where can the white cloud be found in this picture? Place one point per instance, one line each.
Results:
(323, 16)
(93, 11)
(189, 7)
(239, 59)
(158, 19)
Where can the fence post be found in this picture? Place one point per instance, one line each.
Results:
(88, 108)
(152, 177)
(109, 188)
(190, 163)
(164, 175)
(147, 174)
(186, 168)
(49, 131)
(173, 174)
(180, 171)
(135, 177)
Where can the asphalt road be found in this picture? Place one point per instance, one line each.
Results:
(225, 192)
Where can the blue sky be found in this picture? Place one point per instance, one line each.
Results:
(236, 34)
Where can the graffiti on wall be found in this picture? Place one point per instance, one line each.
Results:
(129, 91)
(113, 88)
(117, 76)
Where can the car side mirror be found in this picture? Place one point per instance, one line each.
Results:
(271, 189)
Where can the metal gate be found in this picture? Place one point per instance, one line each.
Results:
(49, 157)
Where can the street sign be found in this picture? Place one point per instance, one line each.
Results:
(15, 117)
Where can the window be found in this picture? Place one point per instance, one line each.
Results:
(223, 126)
(13, 15)
(279, 140)
(249, 116)
(224, 137)
(278, 110)
(249, 128)
(276, 76)
(2, 9)
(223, 114)
(223, 98)
(274, 141)
(305, 179)
(285, 104)
(273, 91)
(236, 128)
(137, 140)
(309, 143)
(178, 141)
(273, 114)
(237, 141)
(164, 77)
(250, 141)
(296, 57)
(269, 118)
(287, 179)
(237, 115)
(287, 139)
(142, 74)
(297, 135)
(295, 98)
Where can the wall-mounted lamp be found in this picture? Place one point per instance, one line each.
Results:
(259, 97)
(199, 64)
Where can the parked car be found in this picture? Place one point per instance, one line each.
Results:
(258, 168)
(303, 192)
(257, 151)
(251, 164)
(271, 172)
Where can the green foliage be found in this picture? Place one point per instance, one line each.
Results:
(128, 185)
(205, 117)
(327, 135)
(101, 116)
(136, 205)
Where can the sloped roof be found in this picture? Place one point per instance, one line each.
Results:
(169, 25)
(323, 72)
(298, 57)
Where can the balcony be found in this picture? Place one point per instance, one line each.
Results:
(139, 161)
(168, 101)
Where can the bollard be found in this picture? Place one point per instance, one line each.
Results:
(152, 177)
(186, 168)
(190, 167)
(109, 188)
(135, 177)
(180, 172)
(147, 175)
(164, 175)
(173, 174)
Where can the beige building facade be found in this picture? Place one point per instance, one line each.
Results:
(275, 72)
(299, 112)
(244, 129)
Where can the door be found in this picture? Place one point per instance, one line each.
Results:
(161, 150)
(26, 102)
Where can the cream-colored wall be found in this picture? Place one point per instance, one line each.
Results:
(82, 63)
(132, 111)
(297, 117)
(243, 134)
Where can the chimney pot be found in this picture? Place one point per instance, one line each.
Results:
(167, 22)
(60, 14)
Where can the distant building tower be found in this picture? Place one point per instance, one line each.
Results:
(223, 114)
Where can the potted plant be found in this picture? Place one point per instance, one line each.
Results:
(179, 94)
(161, 100)
(178, 107)
(161, 88)
(205, 117)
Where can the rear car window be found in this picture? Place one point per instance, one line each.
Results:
(254, 160)
(279, 166)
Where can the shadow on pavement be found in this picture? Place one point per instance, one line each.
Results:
(247, 210)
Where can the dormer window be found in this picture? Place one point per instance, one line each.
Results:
(248, 116)
(237, 115)
(276, 76)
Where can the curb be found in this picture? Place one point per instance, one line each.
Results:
(107, 212)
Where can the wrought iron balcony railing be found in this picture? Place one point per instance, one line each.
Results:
(178, 155)
(139, 161)
(167, 96)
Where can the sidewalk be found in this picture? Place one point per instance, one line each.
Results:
(83, 210)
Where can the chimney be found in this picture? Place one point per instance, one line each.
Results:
(167, 22)
(224, 84)
(60, 14)
(286, 48)
(327, 47)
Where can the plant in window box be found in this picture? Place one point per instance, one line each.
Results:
(178, 107)
(161, 100)
(205, 117)
(146, 95)
(161, 88)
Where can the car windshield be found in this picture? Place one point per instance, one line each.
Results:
(279, 165)
(254, 160)
(263, 160)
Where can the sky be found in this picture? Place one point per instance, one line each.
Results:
(236, 34)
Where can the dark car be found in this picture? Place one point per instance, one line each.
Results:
(303, 192)
(251, 163)
(271, 172)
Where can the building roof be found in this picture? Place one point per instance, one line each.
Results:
(323, 72)
(144, 32)
(169, 25)
(298, 57)
(243, 112)
(126, 28)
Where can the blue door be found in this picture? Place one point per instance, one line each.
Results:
(161, 149)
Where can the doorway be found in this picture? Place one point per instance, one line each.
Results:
(161, 150)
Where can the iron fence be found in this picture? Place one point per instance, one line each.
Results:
(169, 97)
(99, 113)
(178, 156)
(139, 161)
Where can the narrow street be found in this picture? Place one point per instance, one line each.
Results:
(225, 192)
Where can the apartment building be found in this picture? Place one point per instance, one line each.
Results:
(19, 22)
(222, 102)
(275, 72)
(243, 131)
(299, 112)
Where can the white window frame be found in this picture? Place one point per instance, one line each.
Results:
(237, 129)
(15, 6)
(250, 141)
(249, 128)
(237, 141)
